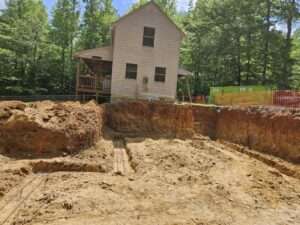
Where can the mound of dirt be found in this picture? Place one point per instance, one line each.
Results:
(46, 127)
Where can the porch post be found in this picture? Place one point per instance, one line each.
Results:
(97, 80)
(77, 77)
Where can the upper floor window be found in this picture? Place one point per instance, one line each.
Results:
(160, 74)
(149, 34)
(131, 71)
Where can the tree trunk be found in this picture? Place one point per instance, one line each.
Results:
(63, 70)
(267, 42)
(287, 67)
(249, 40)
(239, 69)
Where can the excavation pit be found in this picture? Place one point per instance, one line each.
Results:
(150, 169)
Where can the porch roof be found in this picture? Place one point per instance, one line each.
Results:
(103, 54)
(184, 73)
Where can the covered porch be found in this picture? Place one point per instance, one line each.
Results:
(94, 70)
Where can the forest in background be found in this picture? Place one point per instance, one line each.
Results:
(229, 42)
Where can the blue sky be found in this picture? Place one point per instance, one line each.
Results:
(121, 5)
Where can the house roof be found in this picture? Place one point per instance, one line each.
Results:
(184, 73)
(104, 54)
(145, 5)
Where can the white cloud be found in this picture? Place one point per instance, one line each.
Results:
(2, 4)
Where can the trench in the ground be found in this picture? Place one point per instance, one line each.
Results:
(38, 170)
(44, 166)
(122, 162)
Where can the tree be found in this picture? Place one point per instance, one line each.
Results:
(227, 42)
(97, 20)
(236, 43)
(64, 30)
(289, 14)
(23, 32)
(295, 55)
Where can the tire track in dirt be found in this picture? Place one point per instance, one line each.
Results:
(283, 167)
(13, 201)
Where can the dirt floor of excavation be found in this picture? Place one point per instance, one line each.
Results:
(147, 181)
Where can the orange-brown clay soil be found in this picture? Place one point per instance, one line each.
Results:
(149, 181)
(40, 129)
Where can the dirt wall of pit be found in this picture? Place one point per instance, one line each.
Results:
(47, 128)
(150, 119)
(269, 130)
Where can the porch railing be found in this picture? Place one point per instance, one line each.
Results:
(92, 84)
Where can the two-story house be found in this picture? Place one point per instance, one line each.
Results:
(142, 61)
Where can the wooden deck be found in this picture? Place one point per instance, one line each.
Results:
(93, 84)
(93, 77)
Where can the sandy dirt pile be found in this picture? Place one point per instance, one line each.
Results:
(274, 131)
(150, 119)
(173, 182)
(46, 127)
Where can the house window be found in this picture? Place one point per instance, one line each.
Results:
(131, 71)
(149, 34)
(160, 74)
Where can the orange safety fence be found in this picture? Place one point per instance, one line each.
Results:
(287, 98)
(273, 97)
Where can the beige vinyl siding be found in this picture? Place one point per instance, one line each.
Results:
(128, 48)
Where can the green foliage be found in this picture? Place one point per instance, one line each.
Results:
(97, 19)
(63, 33)
(296, 57)
(235, 43)
(36, 57)
(23, 27)
(227, 42)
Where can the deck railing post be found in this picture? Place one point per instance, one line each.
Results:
(77, 76)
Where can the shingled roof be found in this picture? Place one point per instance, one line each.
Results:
(104, 54)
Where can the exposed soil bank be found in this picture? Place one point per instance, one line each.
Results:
(271, 130)
(274, 131)
(42, 128)
(47, 128)
(154, 119)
